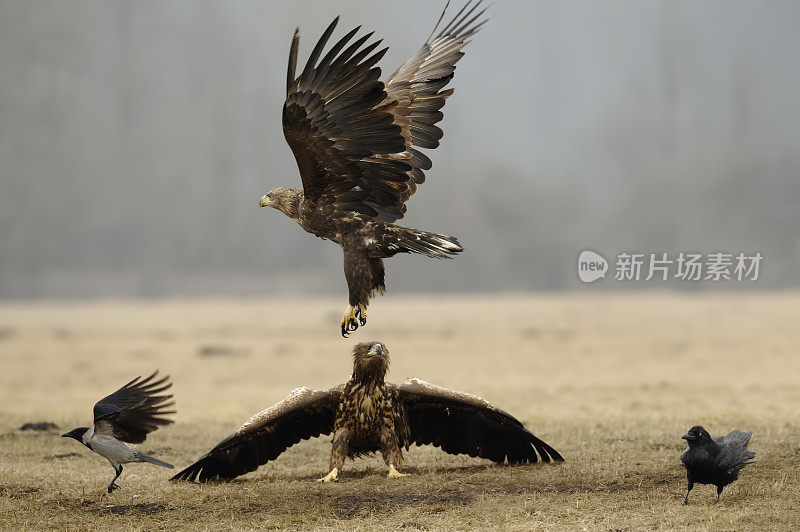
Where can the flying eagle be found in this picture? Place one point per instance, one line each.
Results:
(366, 415)
(356, 143)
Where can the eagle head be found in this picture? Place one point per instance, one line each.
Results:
(286, 200)
(370, 361)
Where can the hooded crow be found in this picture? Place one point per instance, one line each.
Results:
(127, 416)
(714, 460)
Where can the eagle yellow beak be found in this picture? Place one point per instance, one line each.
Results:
(377, 349)
(264, 201)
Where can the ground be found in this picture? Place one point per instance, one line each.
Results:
(611, 381)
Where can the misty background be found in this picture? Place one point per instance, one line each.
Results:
(137, 137)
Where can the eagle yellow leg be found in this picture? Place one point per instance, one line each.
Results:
(352, 317)
(333, 476)
(394, 473)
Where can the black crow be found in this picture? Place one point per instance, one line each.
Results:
(127, 416)
(714, 460)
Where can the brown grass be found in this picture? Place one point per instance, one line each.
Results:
(610, 381)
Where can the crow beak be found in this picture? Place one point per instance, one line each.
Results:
(264, 201)
(65, 435)
(686, 437)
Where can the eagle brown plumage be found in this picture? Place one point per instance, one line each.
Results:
(367, 415)
(356, 141)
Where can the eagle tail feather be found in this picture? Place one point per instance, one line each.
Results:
(429, 244)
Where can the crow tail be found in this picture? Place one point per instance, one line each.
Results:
(144, 458)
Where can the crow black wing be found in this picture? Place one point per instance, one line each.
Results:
(135, 410)
(461, 423)
(301, 415)
(734, 454)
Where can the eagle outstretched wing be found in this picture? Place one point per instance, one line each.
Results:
(135, 410)
(417, 87)
(461, 423)
(352, 136)
(303, 414)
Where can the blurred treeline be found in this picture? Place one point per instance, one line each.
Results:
(137, 137)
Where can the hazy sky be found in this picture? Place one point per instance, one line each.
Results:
(136, 139)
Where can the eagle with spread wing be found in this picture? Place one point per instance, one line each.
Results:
(356, 140)
(366, 415)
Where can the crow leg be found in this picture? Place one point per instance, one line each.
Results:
(688, 489)
(113, 486)
(719, 492)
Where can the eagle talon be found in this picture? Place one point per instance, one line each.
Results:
(394, 473)
(352, 317)
(333, 476)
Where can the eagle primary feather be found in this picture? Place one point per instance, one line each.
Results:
(356, 140)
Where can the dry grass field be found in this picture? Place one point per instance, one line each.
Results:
(611, 381)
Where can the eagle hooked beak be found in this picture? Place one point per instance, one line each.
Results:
(264, 201)
(376, 349)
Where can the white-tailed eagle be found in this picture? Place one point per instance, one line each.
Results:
(356, 140)
(367, 415)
